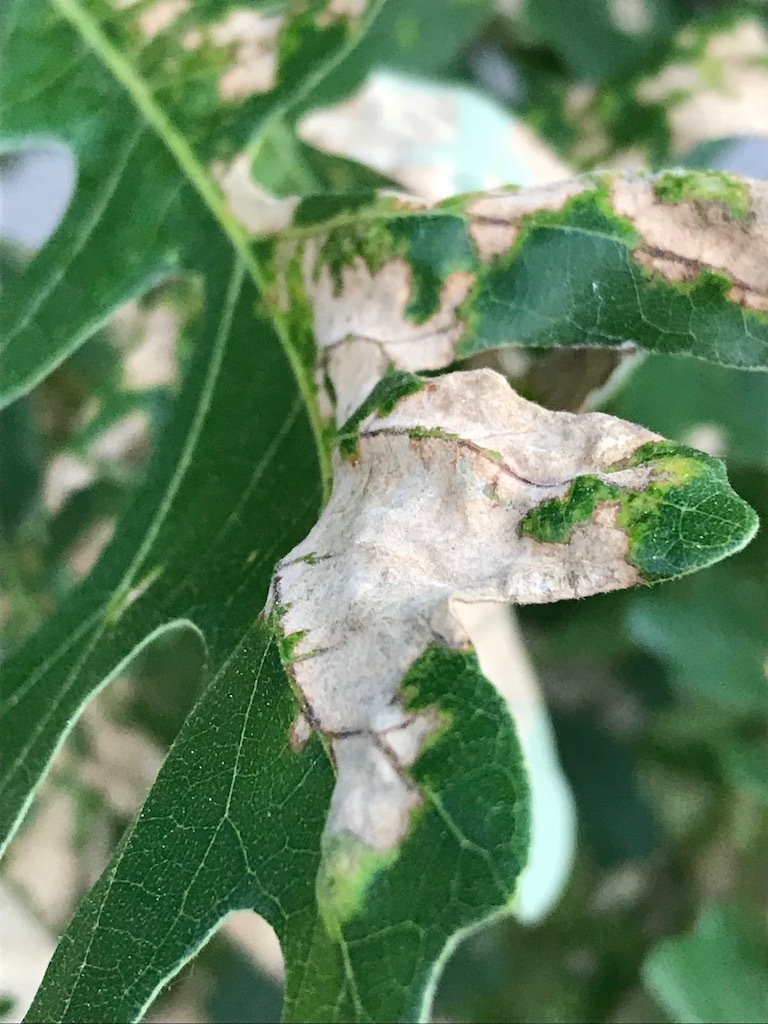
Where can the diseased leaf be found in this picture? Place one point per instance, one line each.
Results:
(463, 491)
(247, 834)
(608, 260)
(322, 778)
(705, 84)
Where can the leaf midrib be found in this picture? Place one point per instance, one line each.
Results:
(191, 168)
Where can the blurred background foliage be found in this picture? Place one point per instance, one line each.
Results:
(659, 699)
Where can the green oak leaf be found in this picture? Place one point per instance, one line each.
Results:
(147, 207)
(156, 102)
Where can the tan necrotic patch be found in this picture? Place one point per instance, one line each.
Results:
(681, 240)
(361, 327)
(160, 17)
(496, 216)
(252, 39)
(257, 210)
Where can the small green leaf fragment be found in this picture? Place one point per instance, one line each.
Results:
(381, 401)
(675, 187)
(552, 521)
(686, 518)
(287, 644)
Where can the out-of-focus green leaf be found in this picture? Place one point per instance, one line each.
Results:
(714, 975)
(695, 86)
(745, 765)
(21, 458)
(596, 38)
(711, 636)
(617, 818)
(151, 104)
(21, 453)
(703, 405)
(286, 166)
(410, 36)
(241, 993)
(710, 632)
